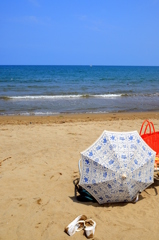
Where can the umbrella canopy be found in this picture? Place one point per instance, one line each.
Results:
(117, 167)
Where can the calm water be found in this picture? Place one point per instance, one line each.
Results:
(47, 90)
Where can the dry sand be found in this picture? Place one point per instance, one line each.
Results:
(38, 163)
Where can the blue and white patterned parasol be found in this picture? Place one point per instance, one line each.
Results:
(117, 166)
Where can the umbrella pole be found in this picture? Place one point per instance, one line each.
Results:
(79, 166)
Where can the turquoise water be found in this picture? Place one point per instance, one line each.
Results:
(47, 90)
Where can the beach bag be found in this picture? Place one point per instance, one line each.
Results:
(83, 195)
(150, 136)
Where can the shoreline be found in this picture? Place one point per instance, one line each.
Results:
(80, 117)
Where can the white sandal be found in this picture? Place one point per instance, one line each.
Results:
(76, 225)
(89, 228)
(80, 225)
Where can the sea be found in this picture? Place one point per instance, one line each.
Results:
(51, 90)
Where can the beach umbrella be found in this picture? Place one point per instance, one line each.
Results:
(117, 167)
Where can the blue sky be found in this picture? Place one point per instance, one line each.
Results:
(79, 32)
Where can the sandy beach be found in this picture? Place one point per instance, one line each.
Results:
(38, 164)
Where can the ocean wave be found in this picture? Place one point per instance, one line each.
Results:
(140, 95)
(40, 113)
(75, 96)
(31, 114)
(5, 98)
(47, 97)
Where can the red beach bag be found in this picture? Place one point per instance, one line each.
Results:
(151, 137)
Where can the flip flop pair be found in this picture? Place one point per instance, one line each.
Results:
(81, 223)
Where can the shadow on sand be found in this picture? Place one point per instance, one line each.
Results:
(96, 204)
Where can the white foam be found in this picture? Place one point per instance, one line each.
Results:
(65, 96)
(46, 97)
(108, 95)
(39, 113)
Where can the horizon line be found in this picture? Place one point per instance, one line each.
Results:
(91, 65)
